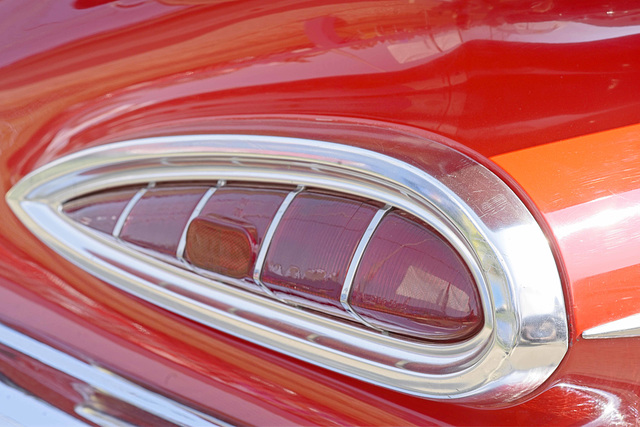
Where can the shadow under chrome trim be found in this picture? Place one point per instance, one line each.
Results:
(524, 336)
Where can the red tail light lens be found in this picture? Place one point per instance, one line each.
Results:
(99, 211)
(160, 216)
(411, 281)
(226, 235)
(311, 250)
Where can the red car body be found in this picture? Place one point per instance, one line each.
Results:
(545, 95)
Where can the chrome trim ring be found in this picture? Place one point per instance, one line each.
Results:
(262, 254)
(20, 408)
(182, 244)
(117, 229)
(524, 336)
(345, 293)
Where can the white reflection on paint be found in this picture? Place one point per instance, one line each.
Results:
(603, 219)
(606, 404)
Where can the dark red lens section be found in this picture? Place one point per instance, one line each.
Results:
(226, 236)
(158, 219)
(311, 250)
(411, 281)
(100, 211)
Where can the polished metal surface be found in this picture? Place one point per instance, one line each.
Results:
(524, 336)
(182, 244)
(622, 328)
(19, 408)
(345, 293)
(99, 381)
(117, 229)
(268, 237)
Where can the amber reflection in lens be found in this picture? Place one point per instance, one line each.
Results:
(226, 236)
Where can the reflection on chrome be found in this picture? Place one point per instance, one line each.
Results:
(19, 408)
(541, 329)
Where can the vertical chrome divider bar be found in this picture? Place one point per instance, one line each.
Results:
(264, 247)
(355, 263)
(182, 244)
(127, 209)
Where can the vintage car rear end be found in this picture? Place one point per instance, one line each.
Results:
(319, 213)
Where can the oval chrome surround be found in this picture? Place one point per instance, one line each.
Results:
(524, 336)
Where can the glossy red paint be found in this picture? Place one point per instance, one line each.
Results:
(547, 92)
(499, 78)
(587, 189)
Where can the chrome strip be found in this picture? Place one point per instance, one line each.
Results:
(627, 327)
(106, 382)
(497, 237)
(100, 418)
(20, 408)
(117, 229)
(355, 263)
(266, 242)
(196, 211)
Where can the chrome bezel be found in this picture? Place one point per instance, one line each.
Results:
(498, 238)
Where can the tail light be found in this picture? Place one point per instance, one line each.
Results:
(409, 278)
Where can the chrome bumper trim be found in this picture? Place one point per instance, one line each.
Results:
(19, 408)
(98, 379)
